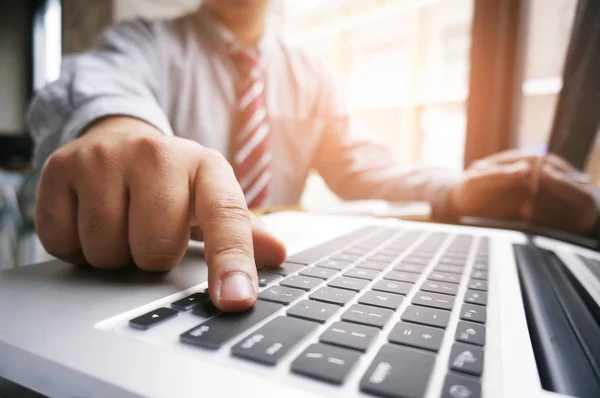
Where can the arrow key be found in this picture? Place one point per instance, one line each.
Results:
(152, 318)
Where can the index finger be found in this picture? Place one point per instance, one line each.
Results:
(224, 218)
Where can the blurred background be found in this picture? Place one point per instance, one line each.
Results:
(406, 66)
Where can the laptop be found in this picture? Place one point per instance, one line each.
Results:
(362, 307)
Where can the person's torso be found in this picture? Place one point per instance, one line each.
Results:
(199, 97)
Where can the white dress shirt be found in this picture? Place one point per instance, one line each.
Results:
(178, 76)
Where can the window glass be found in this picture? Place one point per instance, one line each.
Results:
(404, 63)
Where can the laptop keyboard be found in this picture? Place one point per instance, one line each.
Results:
(356, 284)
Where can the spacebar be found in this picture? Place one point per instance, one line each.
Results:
(217, 331)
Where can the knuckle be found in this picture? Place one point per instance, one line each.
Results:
(153, 151)
(57, 164)
(212, 157)
(95, 220)
(103, 156)
(229, 209)
(235, 249)
(159, 254)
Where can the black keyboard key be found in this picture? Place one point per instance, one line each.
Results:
(423, 254)
(348, 257)
(367, 315)
(272, 341)
(473, 313)
(414, 268)
(333, 295)
(453, 269)
(381, 299)
(434, 300)
(382, 258)
(426, 316)
(374, 265)
(319, 272)
(469, 332)
(266, 277)
(401, 276)
(348, 283)
(325, 362)
(349, 335)
(393, 287)
(362, 273)
(477, 284)
(301, 282)
(440, 287)
(205, 308)
(222, 328)
(460, 255)
(361, 251)
(457, 386)
(466, 358)
(187, 303)
(321, 251)
(444, 277)
(476, 297)
(453, 262)
(477, 274)
(286, 269)
(280, 294)
(313, 310)
(417, 260)
(417, 336)
(398, 372)
(391, 252)
(152, 318)
(334, 264)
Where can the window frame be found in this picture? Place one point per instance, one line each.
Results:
(493, 105)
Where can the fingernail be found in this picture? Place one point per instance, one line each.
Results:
(236, 286)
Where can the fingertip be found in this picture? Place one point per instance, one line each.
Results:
(236, 291)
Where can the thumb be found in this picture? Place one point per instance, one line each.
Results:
(268, 250)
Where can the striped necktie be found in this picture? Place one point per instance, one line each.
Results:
(250, 138)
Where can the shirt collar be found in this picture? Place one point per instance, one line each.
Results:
(225, 40)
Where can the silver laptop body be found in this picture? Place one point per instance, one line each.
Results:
(67, 332)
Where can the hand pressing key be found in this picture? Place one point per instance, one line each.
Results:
(124, 192)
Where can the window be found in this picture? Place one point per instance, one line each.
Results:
(549, 29)
(47, 44)
(405, 64)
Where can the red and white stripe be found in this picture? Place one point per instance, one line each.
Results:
(251, 155)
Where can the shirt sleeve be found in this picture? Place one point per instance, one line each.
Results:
(117, 77)
(356, 167)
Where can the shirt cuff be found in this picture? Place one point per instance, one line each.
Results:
(148, 111)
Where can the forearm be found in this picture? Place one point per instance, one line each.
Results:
(360, 169)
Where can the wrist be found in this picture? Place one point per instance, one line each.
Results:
(443, 203)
